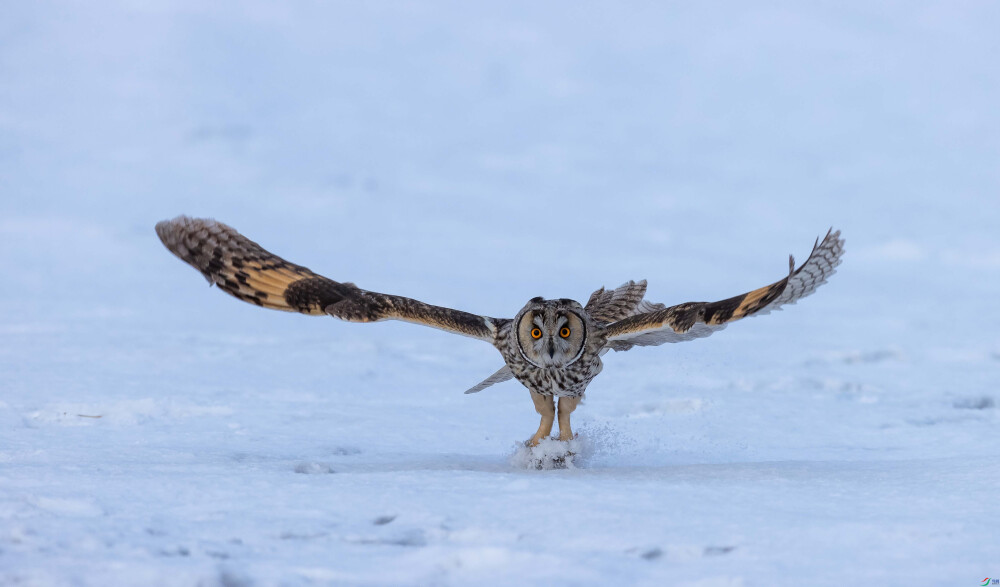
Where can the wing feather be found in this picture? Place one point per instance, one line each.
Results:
(503, 374)
(247, 271)
(620, 303)
(699, 319)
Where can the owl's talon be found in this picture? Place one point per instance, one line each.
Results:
(536, 440)
(548, 453)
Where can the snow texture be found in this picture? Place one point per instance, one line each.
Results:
(550, 453)
(156, 432)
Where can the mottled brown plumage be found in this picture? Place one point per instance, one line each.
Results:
(553, 347)
(243, 269)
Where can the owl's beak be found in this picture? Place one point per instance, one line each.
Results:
(552, 349)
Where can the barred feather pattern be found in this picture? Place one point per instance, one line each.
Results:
(617, 304)
(247, 271)
(699, 319)
(244, 270)
(821, 264)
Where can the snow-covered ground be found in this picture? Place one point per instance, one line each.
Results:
(156, 432)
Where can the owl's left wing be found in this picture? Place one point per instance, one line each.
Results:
(699, 319)
(247, 271)
(607, 306)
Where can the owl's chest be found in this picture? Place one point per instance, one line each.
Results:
(568, 381)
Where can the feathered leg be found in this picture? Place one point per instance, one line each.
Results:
(546, 407)
(566, 407)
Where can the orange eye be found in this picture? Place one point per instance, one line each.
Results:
(564, 332)
(536, 333)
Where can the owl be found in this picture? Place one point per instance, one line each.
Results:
(553, 347)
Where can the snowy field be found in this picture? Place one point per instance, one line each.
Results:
(156, 432)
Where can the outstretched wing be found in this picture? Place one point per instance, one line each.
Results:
(620, 303)
(699, 319)
(245, 270)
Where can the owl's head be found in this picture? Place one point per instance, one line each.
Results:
(551, 333)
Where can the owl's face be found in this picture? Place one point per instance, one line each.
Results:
(551, 333)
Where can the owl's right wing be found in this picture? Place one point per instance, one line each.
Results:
(247, 271)
(699, 319)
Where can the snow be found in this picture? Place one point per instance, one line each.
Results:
(156, 432)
